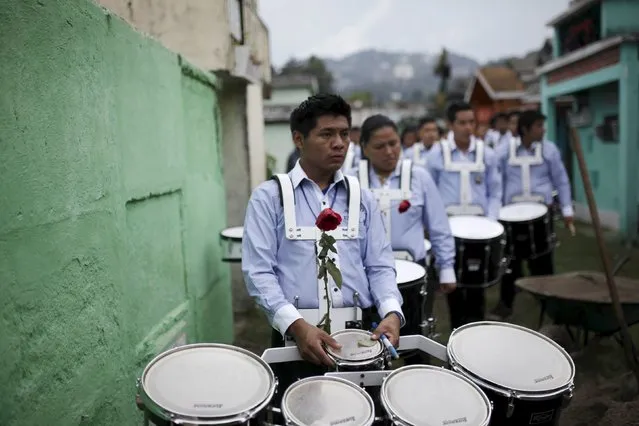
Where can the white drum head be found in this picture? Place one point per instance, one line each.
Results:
(511, 357)
(208, 381)
(475, 227)
(351, 350)
(235, 233)
(408, 272)
(431, 396)
(522, 212)
(427, 245)
(316, 401)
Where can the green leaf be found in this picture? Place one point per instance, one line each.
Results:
(321, 323)
(330, 240)
(321, 273)
(323, 253)
(332, 248)
(335, 273)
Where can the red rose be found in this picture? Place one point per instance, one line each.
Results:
(328, 220)
(403, 206)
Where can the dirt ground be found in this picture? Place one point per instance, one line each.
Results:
(605, 393)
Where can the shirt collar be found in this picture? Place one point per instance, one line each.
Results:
(298, 175)
(453, 145)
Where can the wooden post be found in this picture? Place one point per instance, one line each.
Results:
(626, 339)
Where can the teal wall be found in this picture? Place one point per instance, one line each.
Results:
(602, 158)
(279, 144)
(111, 203)
(287, 96)
(619, 17)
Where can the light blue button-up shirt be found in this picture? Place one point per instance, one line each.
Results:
(426, 212)
(495, 139)
(544, 178)
(277, 269)
(486, 189)
(409, 153)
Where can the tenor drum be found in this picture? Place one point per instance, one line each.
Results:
(479, 245)
(326, 400)
(205, 384)
(358, 352)
(411, 282)
(433, 396)
(529, 229)
(528, 377)
(232, 244)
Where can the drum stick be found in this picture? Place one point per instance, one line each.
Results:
(573, 230)
(387, 343)
(626, 339)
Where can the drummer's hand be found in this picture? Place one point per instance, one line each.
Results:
(570, 224)
(310, 340)
(447, 288)
(390, 327)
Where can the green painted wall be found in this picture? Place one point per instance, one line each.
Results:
(279, 144)
(111, 203)
(619, 17)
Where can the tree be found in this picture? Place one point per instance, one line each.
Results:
(312, 66)
(365, 97)
(443, 71)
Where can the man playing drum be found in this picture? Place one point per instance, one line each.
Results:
(467, 176)
(428, 134)
(279, 259)
(532, 169)
(408, 218)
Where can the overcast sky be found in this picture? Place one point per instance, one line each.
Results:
(480, 29)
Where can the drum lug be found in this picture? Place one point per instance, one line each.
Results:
(510, 410)
(568, 397)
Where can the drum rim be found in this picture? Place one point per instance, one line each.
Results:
(383, 393)
(229, 238)
(291, 419)
(546, 213)
(366, 361)
(166, 414)
(501, 235)
(412, 282)
(500, 389)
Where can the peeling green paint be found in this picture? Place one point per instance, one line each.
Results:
(111, 204)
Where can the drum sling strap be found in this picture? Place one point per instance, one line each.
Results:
(465, 206)
(385, 196)
(418, 150)
(339, 314)
(524, 162)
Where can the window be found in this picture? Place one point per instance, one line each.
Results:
(236, 23)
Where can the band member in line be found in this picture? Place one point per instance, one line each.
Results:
(546, 173)
(280, 267)
(467, 176)
(513, 120)
(409, 137)
(500, 133)
(429, 134)
(425, 212)
(353, 152)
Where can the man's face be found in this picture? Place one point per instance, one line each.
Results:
(354, 136)
(325, 146)
(501, 125)
(481, 131)
(409, 139)
(429, 133)
(537, 131)
(463, 126)
(512, 124)
(383, 149)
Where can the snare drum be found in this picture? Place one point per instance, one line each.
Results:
(411, 281)
(232, 244)
(527, 376)
(354, 357)
(427, 395)
(327, 401)
(479, 245)
(529, 230)
(204, 384)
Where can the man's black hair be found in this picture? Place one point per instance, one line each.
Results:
(304, 117)
(425, 120)
(407, 130)
(454, 108)
(527, 119)
(373, 123)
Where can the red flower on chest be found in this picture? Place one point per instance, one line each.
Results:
(328, 220)
(403, 206)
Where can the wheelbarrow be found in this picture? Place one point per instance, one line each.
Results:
(581, 299)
